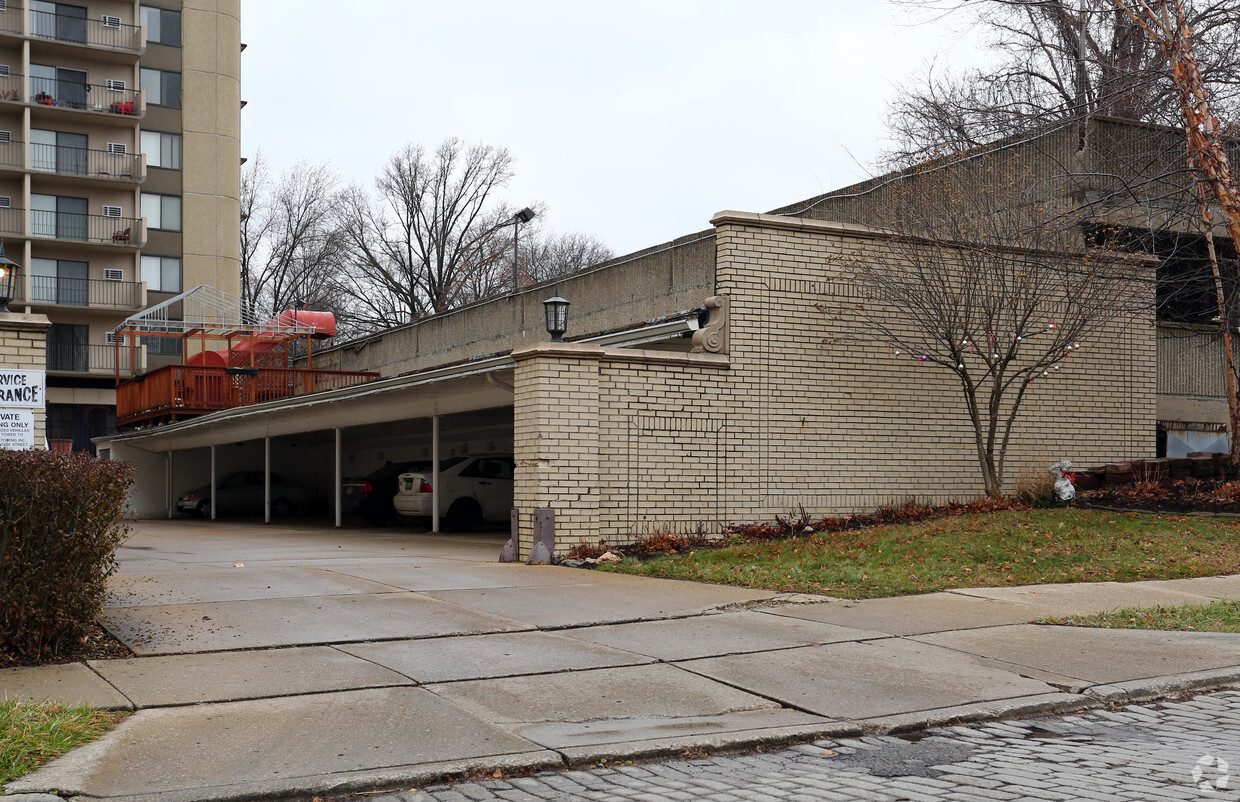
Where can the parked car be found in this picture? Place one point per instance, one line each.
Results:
(472, 490)
(371, 497)
(243, 492)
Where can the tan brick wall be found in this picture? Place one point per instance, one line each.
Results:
(23, 346)
(797, 413)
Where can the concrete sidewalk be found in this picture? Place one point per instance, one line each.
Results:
(298, 661)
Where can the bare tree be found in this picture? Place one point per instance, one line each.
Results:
(1169, 24)
(985, 279)
(548, 257)
(1057, 60)
(431, 236)
(290, 249)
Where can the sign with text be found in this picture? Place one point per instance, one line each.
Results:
(23, 389)
(16, 429)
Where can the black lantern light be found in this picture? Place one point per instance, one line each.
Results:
(8, 279)
(556, 310)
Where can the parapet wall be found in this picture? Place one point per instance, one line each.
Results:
(646, 286)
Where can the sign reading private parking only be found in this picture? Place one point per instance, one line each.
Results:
(16, 429)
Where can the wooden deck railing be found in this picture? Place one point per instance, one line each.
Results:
(182, 391)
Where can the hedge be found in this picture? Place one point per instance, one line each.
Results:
(61, 520)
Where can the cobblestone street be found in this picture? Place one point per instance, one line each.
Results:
(1162, 751)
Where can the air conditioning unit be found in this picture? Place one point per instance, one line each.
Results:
(4, 71)
(111, 339)
(119, 148)
(6, 136)
(4, 5)
(115, 85)
(111, 211)
(113, 274)
(5, 202)
(110, 21)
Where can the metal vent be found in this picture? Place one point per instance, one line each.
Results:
(6, 136)
(111, 211)
(5, 202)
(115, 85)
(110, 21)
(118, 147)
(113, 274)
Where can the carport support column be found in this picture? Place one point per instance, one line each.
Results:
(266, 480)
(339, 478)
(555, 434)
(434, 473)
(213, 493)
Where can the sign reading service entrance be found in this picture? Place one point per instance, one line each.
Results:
(23, 388)
(16, 429)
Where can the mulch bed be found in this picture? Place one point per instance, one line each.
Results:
(98, 645)
(1184, 496)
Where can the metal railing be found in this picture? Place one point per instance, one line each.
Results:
(89, 358)
(11, 18)
(11, 154)
(93, 228)
(12, 221)
(179, 391)
(82, 161)
(113, 35)
(85, 97)
(11, 87)
(86, 292)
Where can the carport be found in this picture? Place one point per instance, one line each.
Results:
(475, 396)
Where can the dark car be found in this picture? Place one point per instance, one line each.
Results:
(244, 492)
(371, 497)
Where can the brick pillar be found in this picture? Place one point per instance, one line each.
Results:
(556, 423)
(23, 346)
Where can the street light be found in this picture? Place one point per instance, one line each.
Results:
(8, 277)
(524, 216)
(556, 310)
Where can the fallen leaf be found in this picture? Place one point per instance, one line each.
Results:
(827, 752)
(238, 565)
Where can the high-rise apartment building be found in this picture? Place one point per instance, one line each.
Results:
(120, 129)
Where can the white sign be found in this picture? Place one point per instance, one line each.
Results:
(23, 388)
(16, 429)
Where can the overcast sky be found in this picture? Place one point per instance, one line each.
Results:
(634, 121)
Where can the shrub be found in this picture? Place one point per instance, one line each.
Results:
(60, 524)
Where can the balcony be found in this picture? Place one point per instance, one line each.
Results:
(98, 360)
(83, 292)
(52, 93)
(93, 229)
(11, 19)
(127, 168)
(12, 156)
(94, 33)
(12, 222)
(183, 391)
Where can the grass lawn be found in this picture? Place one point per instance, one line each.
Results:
(1221, 616)
(32, 733)
(988, 550)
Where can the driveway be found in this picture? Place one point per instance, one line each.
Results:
(292, 659)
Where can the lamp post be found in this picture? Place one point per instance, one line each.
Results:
(556, 310)
(524, 216)
(8, 278)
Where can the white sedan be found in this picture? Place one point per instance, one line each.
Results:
(471, 490)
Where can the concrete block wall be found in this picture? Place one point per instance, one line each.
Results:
(23, 346)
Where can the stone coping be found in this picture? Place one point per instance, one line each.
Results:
(19, 321)
(638, 355)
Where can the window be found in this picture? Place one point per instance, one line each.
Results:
(161, 274)
(165, 346)
(162, 88)
(163, 26)
(58, 151)
(162, 150)
(67, 347)
(58, 216)
(162, 211)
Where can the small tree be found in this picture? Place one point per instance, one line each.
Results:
(986, 279)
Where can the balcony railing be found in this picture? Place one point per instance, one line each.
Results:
(85, 358)
(11, 154)
(73, 95)
(11, 18)
(82, 161)
(92, 228)
(180, 391)
(113, 35)
(86, 292)
(12, 221)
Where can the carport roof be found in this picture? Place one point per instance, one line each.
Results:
(467, 387)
